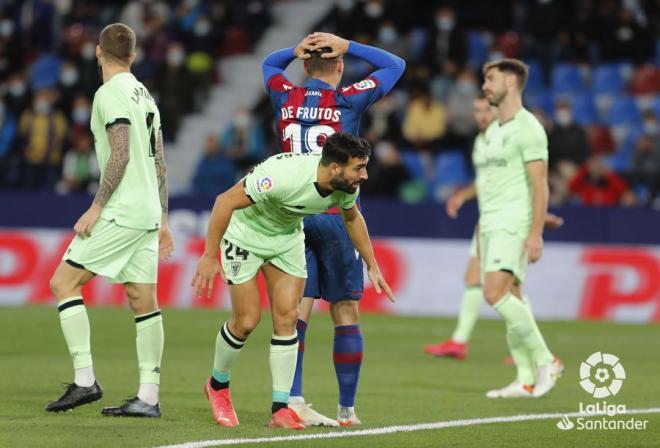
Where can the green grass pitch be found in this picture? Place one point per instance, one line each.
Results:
(399, 384)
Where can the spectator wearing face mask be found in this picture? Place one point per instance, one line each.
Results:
(88, 69)
(390, 40)
(567, 141)
(42, 131)
(447, 42)
(18, 95)
(80, 114)
(462, 126)
(568, 148)
(69, 84)
(174, 86)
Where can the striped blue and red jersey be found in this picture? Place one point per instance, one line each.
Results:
(306, 115)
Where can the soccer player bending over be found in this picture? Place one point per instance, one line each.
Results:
(512, 190)
(305, 116)
(124, 232)
(257, 224)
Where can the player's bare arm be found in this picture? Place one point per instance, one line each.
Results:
(118, 138)
(208, 266)
(165, 240)
(456, 200)
(537, 173)
(357, 230)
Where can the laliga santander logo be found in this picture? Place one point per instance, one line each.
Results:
(602, 375)
(264, 184)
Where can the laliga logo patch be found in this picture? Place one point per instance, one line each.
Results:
(365, 84)
(602, 375)
(264, 184)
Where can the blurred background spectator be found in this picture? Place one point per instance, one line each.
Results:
(215, 171)
(595, 184)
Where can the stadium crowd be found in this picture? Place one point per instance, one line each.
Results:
(597, 93)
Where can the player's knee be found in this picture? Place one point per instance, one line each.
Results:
(245, 324)
(492, 294)
(345, 312)
(60, 287)
(56, 287)
(287, 317)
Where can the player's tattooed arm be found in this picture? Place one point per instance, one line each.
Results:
(161, 172)
(118, 137)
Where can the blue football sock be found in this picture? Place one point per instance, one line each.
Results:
(296, 388)
(347, 354)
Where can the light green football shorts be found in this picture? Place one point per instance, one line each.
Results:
(121, 254)
(241, 265)
(501, 250)
(474, 246)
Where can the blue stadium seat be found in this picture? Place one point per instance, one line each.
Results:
(622, 158)
(623, 112)
(450, 168)
(608, 79)
(477, 49)
(450, 172)
(535, 81)
(584, 109)
(541, 99)
(413, 163)
(566, 78)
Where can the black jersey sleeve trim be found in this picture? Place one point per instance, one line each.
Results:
(118, 121)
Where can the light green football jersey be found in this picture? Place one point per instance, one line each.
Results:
(500, 156)
(284, 191)
(135, 203)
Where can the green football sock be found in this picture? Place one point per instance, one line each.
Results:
(149, 342)
(283, 355)
(524, 367)
(540, 353)
(227, 349)
(75, 326)
(520, 322)
(470, 307)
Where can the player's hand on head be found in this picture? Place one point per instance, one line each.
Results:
(379, 283)
(534, 248)
(83, 227)
(207, 268)
(337, 45)
(165, 243)
(301, 51)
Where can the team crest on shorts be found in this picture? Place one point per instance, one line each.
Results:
(235, 267)
(264, 184)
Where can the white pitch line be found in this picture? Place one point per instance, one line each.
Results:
(400, 428)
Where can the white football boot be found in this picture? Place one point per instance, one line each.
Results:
(308, 415)
(547, 376)
(346, 416)
(513, 390)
